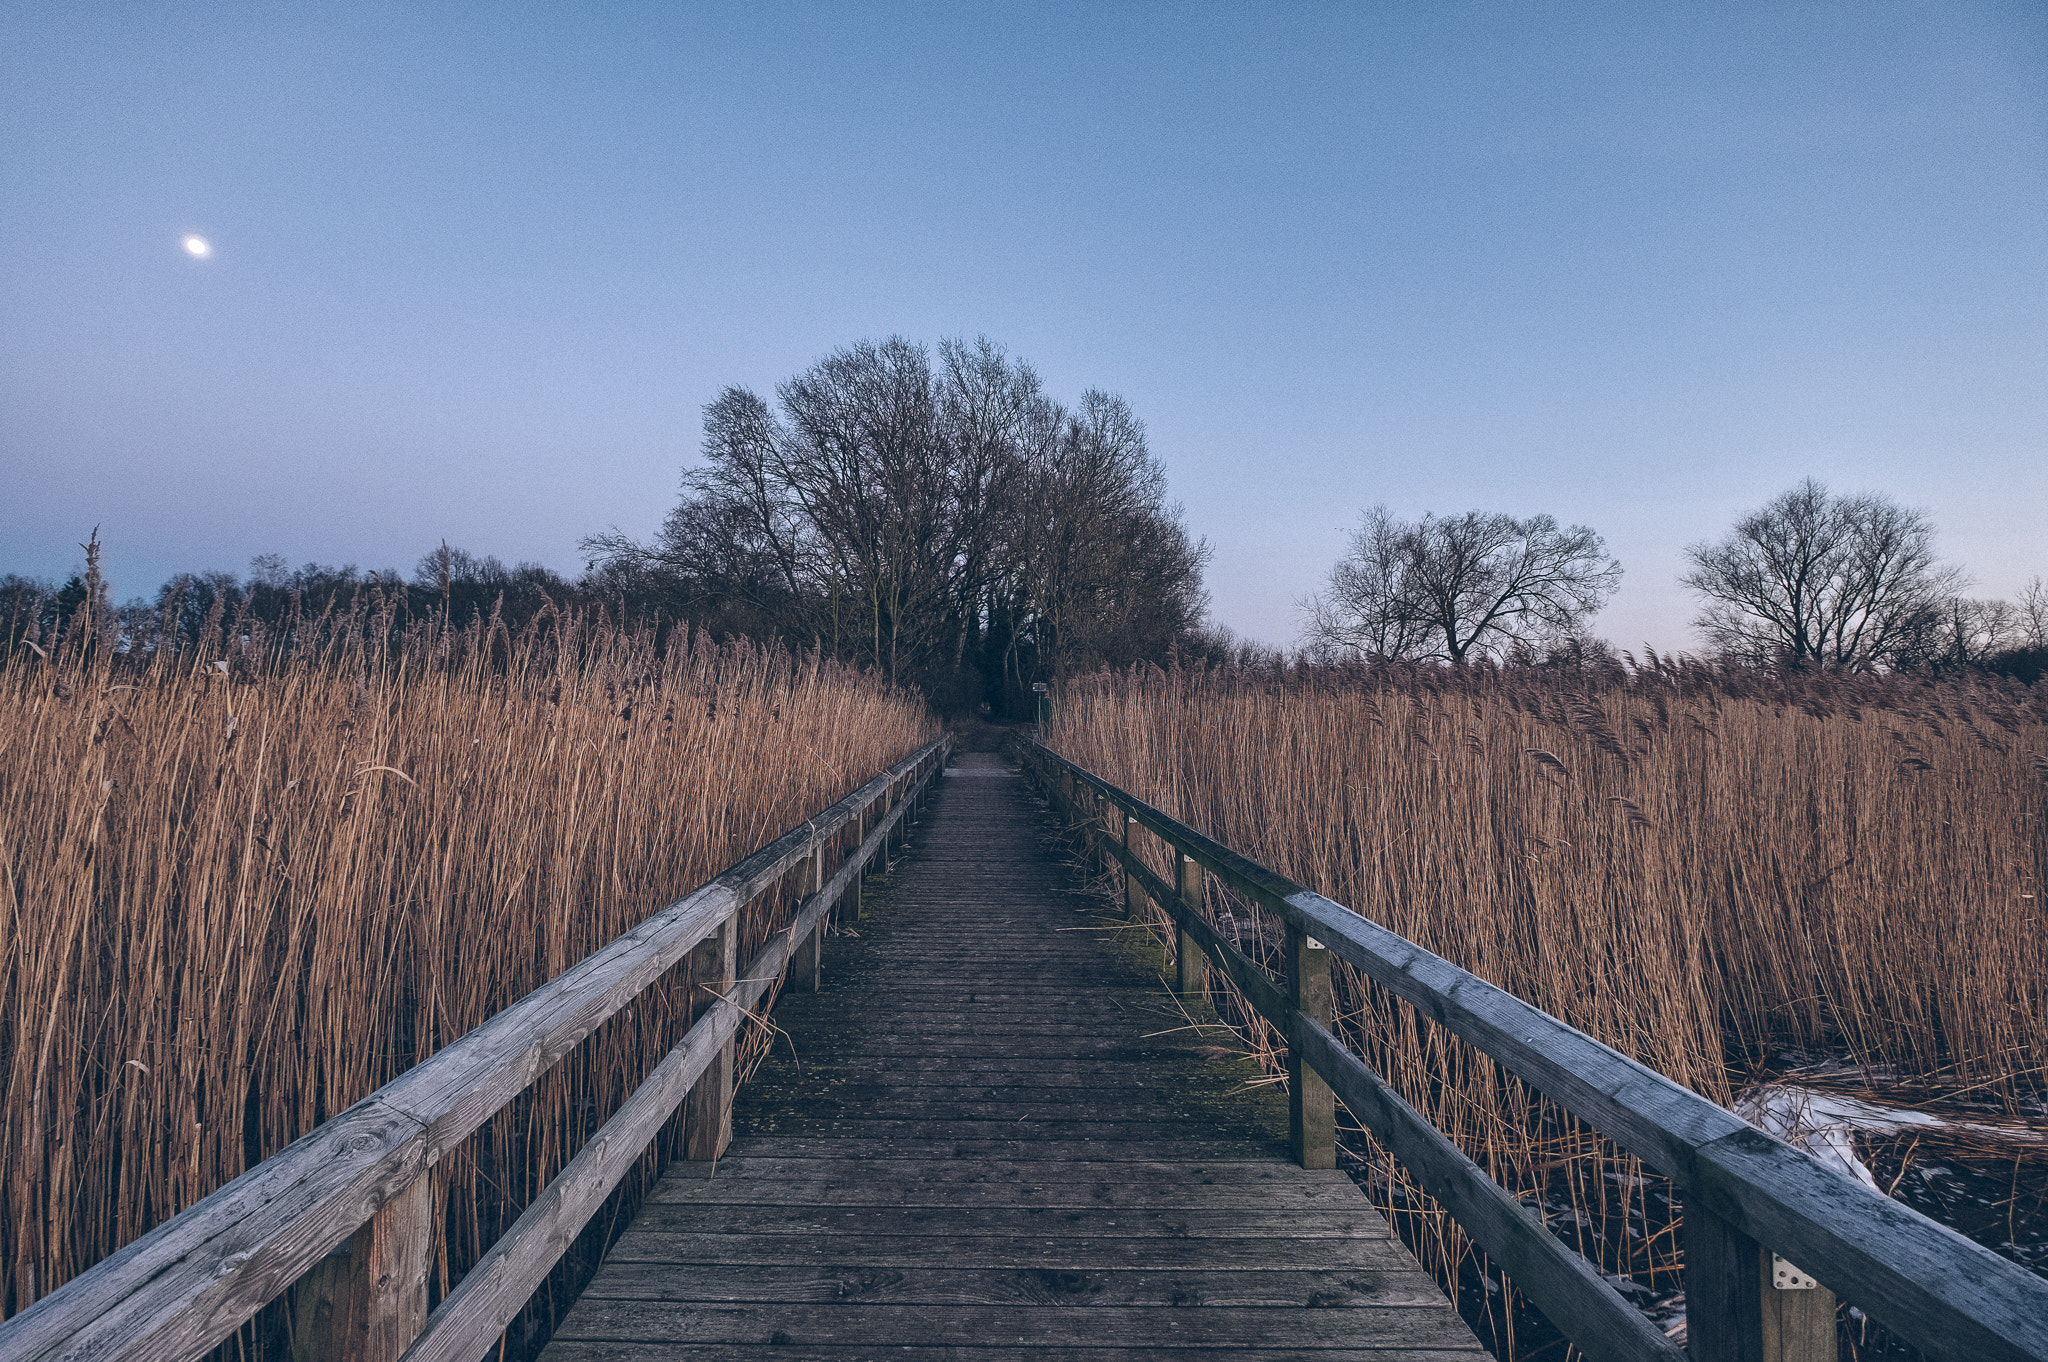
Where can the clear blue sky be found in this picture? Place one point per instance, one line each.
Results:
(478, 268)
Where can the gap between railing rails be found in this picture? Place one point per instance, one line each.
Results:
(360, 1178)
(1948, 1296)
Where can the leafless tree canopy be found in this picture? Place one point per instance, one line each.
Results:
(1813, 579)
(947, 522)
(1455, 587)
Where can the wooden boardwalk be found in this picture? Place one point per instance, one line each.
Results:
(995, 1141)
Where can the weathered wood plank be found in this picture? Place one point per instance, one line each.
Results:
(1002, 1251)
(761, 1162)
(804, 1325)
(1226, 1140)
(851, 1188)
(1358, 1351)
(1397, 1284)
(856, 1323)
(1081, 1222)
(981, 1149)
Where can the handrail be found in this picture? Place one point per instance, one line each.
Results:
(182, 1288)
(1947, 1296)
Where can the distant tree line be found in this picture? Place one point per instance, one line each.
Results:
(448, 582)
(938, 517)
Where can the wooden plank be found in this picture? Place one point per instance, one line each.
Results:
(1001, 1251)
(1305, 1288)
(1083, 1222)
(804, 1325)
(1003, 1149)
(600, 1350)
(1095, 1108)
(760, 1162)
(1237, 1138)
(850, 1188)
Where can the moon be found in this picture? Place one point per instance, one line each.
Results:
(198, 247)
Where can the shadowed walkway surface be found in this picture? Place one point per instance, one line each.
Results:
(985, 1149)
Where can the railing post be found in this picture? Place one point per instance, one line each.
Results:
(1736, 1311)
(807, 966)
(707, 1115)
(368, 1301)
(1311, 1106)
(1190, 966)
(1134, 897)
(856, 833)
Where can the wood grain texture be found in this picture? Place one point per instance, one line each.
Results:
(368, 1302)
(995, 1129)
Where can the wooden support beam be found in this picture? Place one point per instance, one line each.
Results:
(707, 1116)
(368, 1301)
(1311, 1108)
(856, 833)
(1134, 897)
(807, 969)
(1735, 1309)
(1190, 966)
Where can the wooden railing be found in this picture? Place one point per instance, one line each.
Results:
(363, 1179)
(1745, 1193)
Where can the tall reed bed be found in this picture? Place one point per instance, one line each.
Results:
(244, 885)
(1698, 867)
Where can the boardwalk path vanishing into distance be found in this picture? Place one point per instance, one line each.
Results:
(996, 1139)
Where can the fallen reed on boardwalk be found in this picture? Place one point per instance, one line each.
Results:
(245, 883)
(1699, 867)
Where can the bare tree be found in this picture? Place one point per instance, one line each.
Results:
(1813, 579)
(941, 521)
(1453, 587)
(2032, 611)
(1963, 633)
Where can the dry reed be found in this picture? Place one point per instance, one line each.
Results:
(246, 884)
(1701, 868)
